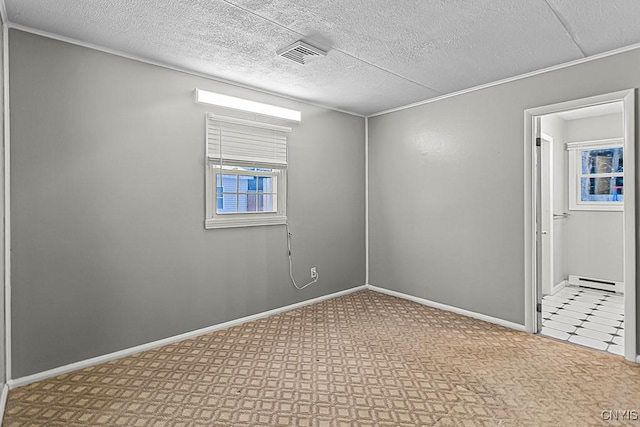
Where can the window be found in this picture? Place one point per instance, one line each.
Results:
(246, 173)
(243, 190)
(596, 170)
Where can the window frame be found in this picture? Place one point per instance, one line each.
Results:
(238, 146)
(575, 175)
(243, 171)
(244, 219)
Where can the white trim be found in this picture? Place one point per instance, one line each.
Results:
(445, 307)
(366, 200)
(3, 401)
(629, 221)
(627, 97)
(529, 225)
(514, 78)
(601, 207)
(558, 287)
(291, 98)
(7, 205)
(546, 186)
(144, 60)
(252, 123)
(19, 382)
(575, 104)
(40, 376)
(245, 221)
(240, 85)
(595, 143)
(214, 220)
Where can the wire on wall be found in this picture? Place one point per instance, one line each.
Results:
(315, 279)
(289, 236)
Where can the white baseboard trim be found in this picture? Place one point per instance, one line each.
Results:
(22, 381)
(638, 358)
(3, 401)
(556, 288)
(445, 307)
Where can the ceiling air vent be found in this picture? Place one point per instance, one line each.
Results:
(301, 52)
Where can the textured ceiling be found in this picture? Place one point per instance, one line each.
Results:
(383, 54)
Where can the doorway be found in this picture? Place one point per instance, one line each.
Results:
(580, 218)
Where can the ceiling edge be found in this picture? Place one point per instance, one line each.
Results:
(514, 78)
(142, 59)
(116, 52)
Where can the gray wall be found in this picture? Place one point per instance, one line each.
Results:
(595, 238)
(557, 128)
(109, 248)
(597, 127)
(447, 180)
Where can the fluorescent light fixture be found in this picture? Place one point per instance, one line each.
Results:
(226, 101)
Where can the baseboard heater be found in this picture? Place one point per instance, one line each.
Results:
(590, 282)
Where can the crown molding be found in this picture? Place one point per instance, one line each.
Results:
(267, 92)
(161, 64)
(513, 79)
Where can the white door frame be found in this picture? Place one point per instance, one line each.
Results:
(627, 97)
(546, 151)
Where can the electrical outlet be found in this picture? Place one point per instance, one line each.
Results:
(314, 273)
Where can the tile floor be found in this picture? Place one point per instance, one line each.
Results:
(587, 317)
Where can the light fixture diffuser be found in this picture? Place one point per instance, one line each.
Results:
(241, 104)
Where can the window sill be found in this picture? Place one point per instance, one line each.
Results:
(610, 208)
(234, 222)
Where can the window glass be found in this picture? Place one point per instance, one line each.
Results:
(608, 160)
(219, 199)
(229, 183)
(267, 203)
(245, 193)
(243, 203)
(609, 189)
(252, 183)
(265, 184)
(229, 203)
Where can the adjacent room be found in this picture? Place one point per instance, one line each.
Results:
(315, 213)
(582, 157)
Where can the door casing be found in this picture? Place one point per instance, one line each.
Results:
(546, 211)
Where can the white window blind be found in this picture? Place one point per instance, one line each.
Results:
(247, 141)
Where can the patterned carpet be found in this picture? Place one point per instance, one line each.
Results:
(365, 359)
